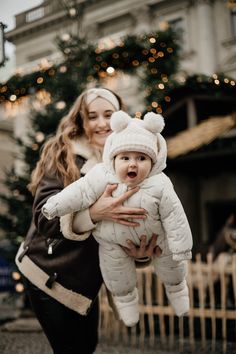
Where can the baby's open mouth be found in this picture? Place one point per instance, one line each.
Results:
(132, 174)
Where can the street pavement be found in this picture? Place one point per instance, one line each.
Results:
(20, 333)
(24, 336)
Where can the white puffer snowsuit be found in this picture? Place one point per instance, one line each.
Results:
(166, 218)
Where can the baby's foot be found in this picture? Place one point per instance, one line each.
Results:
(178, 295)
(128, 308)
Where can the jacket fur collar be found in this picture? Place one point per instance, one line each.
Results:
(91, 153)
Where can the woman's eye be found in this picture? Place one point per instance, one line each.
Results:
(92, 117)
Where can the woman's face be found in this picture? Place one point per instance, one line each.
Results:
(97, 126)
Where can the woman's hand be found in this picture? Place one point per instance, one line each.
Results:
(144, 250)
(111, 208)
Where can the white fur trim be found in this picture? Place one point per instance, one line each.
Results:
(85, 149)
(82, 222)
(66, 223)
(38, 277)
(82, 147)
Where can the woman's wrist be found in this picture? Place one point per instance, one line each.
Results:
(142, 262)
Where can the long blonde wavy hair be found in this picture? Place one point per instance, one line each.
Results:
(57, 157)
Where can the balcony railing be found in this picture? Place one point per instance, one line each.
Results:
(43, 10)
(36, 13)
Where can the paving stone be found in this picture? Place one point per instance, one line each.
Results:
(30, 342)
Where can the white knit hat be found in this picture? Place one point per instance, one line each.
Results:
(132, 134)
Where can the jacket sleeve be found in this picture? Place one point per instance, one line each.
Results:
(79, 195)
(48, 186)
(175, 223)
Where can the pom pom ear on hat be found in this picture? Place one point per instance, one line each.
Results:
(119, 121)
(154, 122)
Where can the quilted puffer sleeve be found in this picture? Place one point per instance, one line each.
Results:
(79, 195)
(175, 223)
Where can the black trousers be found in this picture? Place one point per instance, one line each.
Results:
(67, 331)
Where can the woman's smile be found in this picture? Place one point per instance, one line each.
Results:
(104, 132)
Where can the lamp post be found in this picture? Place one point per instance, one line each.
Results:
(2, 44)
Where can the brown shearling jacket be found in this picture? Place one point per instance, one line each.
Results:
(67, 270)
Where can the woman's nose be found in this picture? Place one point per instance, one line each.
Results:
(102, 122)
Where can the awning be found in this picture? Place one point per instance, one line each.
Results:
(202, 134)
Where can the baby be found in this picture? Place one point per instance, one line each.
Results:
(134, 154)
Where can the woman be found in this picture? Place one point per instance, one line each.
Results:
(61, 269)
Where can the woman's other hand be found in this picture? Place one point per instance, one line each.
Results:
(112, 208)
(144, 250)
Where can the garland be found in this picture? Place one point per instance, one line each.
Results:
(154, 58)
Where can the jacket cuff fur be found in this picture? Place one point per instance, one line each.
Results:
(82, 222)
(66, 224)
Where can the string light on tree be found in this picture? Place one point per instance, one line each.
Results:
(16, 193)
(65, 37)
(39, 137)
(35, 147)
(110, 70)
(167, 98)
(63, 69)
(60, 105)
(72, 12)
(152, 40)
(40, 80)
(138, 115)
(13, 98)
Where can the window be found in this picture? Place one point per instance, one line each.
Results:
(34, 14)
(177, 24)
(233, 21)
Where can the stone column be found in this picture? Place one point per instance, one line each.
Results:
(206, 37)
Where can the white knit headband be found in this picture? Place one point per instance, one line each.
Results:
(94, 93)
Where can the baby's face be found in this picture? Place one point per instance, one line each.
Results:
(132, 167)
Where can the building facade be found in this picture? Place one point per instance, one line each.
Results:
(208, 37)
